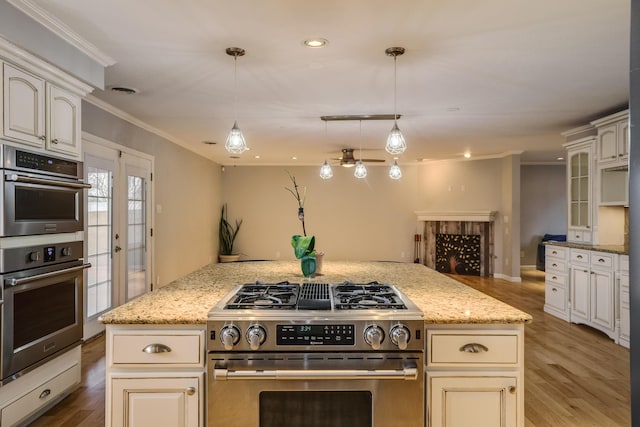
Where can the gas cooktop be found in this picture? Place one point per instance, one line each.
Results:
(316, 296)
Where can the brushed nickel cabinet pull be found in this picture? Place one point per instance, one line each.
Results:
(473, 348)
(601, 260)
(156, 348)
(55, 141)
(45, 393)
(554, 289)
(579, 256)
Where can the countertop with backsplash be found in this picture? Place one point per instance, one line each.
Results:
(189, 299)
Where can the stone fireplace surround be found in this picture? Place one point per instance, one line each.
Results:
(458, 222)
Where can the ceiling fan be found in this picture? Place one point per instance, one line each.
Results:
(347, 160)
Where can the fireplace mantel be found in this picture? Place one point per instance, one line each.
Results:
(467, 216)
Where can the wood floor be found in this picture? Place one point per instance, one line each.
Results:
(574, 375)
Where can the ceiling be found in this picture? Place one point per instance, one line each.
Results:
(487, 77)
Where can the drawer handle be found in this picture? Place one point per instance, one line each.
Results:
(156, 348)
(601, 260)
(579, 256)
(554, 278)
(45, 393)
(554, 289)
(191, 391)
(512, 389)
(473, 348)
(554, 265)
(554, 252)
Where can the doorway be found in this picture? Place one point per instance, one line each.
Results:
(118, 228)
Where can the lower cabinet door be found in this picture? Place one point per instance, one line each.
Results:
(463, 401)
(157, 402)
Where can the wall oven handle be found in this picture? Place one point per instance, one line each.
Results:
(29, 180)
(317, 374)
(22, 280)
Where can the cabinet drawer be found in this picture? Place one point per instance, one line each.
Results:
(556, 252)
(40, 396)
(556, 279)
(553, 265)
(579, 236)
(467, 348)
(158, 348)
(602, 260)
(555, 296)
(579, 256)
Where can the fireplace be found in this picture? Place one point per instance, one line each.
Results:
(458, 242)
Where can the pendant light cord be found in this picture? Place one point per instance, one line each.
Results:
(235, 87)
(395, 89)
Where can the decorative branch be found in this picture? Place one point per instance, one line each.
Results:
(301, 199)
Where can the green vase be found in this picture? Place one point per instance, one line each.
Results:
(308, 264)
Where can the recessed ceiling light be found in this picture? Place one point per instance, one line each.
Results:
(560, 158)
(315, 42)
(257, 157)
(467, 155)
(123, 90)
(294, 158)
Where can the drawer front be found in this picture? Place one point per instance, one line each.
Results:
(579, 256)
(40, 396)
(556, 279)
(169, 348)
(555, 296)
(579, 236)
(554, 265)
(473, 349)
(556, 252)
(602, 260)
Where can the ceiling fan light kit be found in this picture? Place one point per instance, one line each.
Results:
(325, 170)
(361, 170)
(235, 141)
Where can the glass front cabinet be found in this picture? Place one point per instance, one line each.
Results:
(579, 188)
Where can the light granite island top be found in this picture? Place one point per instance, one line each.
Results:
(189, 299)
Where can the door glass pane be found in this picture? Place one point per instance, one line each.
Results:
(584, 164)
(136, 232)
(99, 231)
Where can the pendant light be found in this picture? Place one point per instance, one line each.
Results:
(235, 141)
(325, 170)
(395, 172)
(395, 140)
(361, 170)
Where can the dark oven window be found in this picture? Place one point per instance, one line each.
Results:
(39, 204)
(316, 409)
(42, 311)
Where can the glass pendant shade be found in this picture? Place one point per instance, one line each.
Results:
(235, 141)
(395, 172)
(325, 171)
(361, 170)
(395, 141)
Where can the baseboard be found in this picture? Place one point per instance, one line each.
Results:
(516, 279)
(528, 267)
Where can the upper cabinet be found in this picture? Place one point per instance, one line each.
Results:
(579, 189)
(41, 105)
(613, 139)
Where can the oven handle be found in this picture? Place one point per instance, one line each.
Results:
(30, 180)
(23, 280)
(317, 374)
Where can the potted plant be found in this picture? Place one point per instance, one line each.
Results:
(227, 235)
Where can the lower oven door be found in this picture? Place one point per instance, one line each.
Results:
(41, 315)
(315, 390)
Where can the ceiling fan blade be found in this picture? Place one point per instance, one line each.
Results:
(373, 160)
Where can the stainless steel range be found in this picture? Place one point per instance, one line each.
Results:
(315, 354)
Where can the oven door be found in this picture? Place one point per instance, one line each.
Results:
(41, 315)
(315, 389)
(35, 204)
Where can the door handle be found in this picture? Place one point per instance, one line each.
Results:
(117, 249)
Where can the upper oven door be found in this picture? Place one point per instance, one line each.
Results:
(38, 205)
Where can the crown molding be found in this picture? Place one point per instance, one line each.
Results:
(60, 29)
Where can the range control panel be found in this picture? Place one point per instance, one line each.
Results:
(333, 334)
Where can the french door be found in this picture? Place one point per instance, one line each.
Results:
(118, 228)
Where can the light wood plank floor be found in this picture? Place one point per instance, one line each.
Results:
(574, 375)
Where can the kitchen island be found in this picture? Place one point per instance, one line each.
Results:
(156, 344)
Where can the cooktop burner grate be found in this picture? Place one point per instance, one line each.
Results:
(353, 296)
(278, 296)
(314, 296)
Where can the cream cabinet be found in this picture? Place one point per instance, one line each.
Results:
(613, 139)
(579, 190)
(593, 290)
(40, 113)
(155, 375)
(623, 280)
(556, 296)
(474, 375)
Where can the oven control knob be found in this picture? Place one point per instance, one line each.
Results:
(400, 336)
(229, 335)
(256, 336)
(65, 251)
(374, 336)
(34, 256)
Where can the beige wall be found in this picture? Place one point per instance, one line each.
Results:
(370, 219)
(187, 191)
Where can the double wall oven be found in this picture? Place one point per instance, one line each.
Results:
(315, 354)
(41, 259)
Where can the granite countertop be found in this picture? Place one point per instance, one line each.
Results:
(614, 249)
(189, 299)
